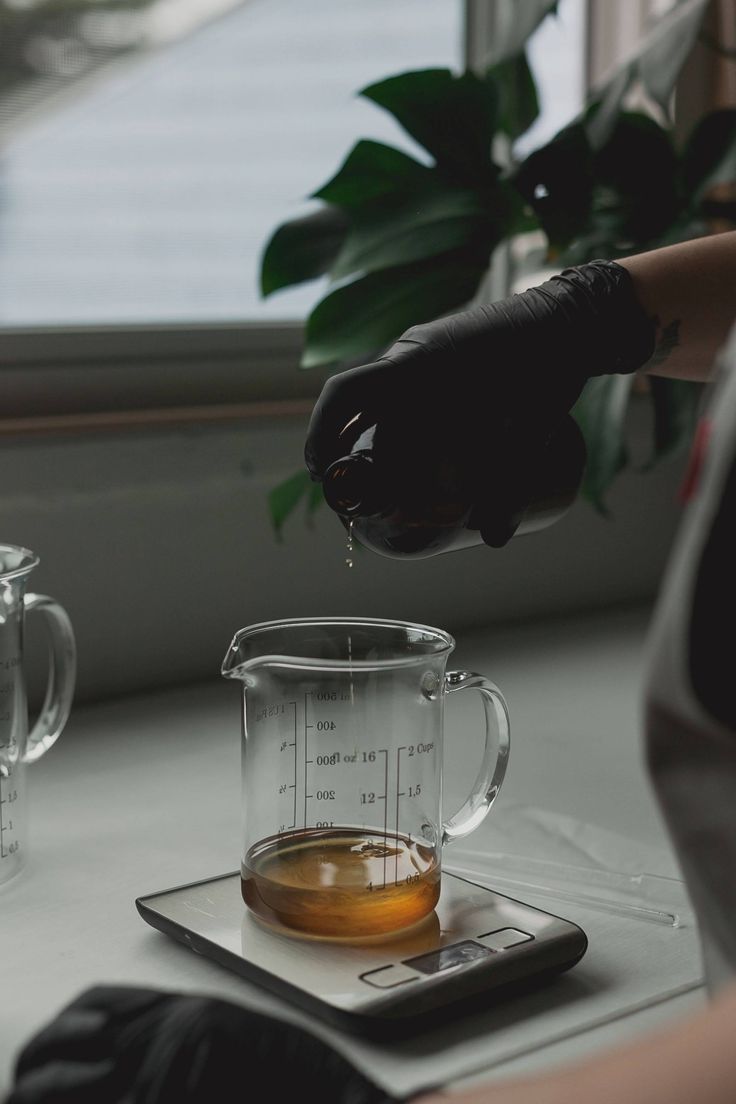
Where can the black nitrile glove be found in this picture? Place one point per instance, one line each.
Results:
(124, 1045)
(491, 384)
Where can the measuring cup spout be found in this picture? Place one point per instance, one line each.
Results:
(234, 665)
(248, 650)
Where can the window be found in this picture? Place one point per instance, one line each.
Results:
(144, 191)
(557, 57)
(151, 147)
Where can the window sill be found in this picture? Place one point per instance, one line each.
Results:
(112, 377)
(154, 418)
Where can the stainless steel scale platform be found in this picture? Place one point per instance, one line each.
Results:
(474, 951)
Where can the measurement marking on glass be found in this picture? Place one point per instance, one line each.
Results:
(384, 799)
(293, 784)
(398, 795)
(306, 760)
(6, 823)
(2, 824)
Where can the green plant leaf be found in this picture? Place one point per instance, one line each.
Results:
(285, 497)
(314, 499)
(302, 249)
(676, 404)
(556, 181)
(666, 49)
(709, 156)
(514, 23)
(635, 192)
(372, 171)
(605, 202)
(433, 223)
(454, 117)
(360, 319)
(517, 94)
(601, 412)
(656, 63)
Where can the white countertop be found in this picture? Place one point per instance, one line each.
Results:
(142, 794)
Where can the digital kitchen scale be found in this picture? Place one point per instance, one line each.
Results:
(475, 949)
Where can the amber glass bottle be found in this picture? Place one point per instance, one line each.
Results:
(440, 499)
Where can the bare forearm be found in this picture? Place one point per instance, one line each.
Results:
(693, 1061)
(690, 290)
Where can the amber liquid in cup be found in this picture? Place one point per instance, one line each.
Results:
(341, 882)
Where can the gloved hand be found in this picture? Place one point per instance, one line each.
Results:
(491, 383)
(124, 1045)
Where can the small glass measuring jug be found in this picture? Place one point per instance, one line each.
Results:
(18, 745)
(342, 771)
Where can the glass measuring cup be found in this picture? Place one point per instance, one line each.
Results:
(18, 745)
(342, 771)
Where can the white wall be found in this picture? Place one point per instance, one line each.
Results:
(159, 545)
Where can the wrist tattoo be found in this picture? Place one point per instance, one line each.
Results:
(667, 340)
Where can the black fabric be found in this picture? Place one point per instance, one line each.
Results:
(121, 1045)
(713, 617)
(482, 390)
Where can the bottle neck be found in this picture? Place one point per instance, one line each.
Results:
(351, 487)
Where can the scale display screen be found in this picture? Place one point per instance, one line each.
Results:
(447, 957)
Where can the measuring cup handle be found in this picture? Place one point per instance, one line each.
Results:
(62, 676)
(495, 754)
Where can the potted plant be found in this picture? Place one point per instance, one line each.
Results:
(403, 242)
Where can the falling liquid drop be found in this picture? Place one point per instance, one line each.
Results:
(349, 558)
(349, 563)
(350, 662)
